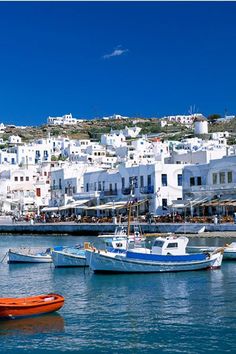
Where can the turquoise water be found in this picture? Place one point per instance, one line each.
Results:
(191, 312)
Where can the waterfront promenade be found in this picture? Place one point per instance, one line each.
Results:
(83, 229)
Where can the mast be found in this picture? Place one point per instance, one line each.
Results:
(129, 217)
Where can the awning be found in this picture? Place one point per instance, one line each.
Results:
(179, 204)
(48, 209)
(110, 205)
(188, 203)
(221, 202)
(74, 205)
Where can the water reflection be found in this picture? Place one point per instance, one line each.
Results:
(33, 325)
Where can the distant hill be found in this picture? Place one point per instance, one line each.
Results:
(93, 129)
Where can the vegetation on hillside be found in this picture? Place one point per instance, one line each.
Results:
(93, 129)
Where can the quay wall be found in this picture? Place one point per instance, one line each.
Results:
(96, 228)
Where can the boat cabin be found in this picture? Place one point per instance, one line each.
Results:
(170, 245)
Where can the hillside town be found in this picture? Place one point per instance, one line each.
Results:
(93, 179)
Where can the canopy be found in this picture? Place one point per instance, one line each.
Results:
(116, 205)
(45, 209)
(222, 202)
(74, 205)
(110, 205)
(188, 203)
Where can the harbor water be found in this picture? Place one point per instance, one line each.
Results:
(186, 312)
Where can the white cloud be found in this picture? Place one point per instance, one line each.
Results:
(116, 53)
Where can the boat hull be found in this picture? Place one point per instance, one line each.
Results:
(63, 259)
(14, 257)
(112, 263)
(229, 254)
(12, 308)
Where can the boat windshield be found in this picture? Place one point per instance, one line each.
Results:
(158, 243)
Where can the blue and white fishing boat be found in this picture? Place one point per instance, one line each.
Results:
(166, 255)
(69, 257)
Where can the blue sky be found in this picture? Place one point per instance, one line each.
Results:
(93, 59)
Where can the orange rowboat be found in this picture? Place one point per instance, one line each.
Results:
(30, 306)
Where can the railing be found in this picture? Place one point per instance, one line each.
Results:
(108, 193)
(147, 190)
(126, 191)
(212, 187)
(55, 187)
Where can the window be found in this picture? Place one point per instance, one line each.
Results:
(38, 192)
(130, 181)
(99, 186)
(214, 178)
(164, 204)
(87, 187)
(60, 183)
(180, 180)
(164, 180)
(16, 179)
(95, 186)
(21, 179)
(230, 177)
(103, 185)
(222, 177)
(172, 245)
(199, 180)
(123, 182)
(110, 187)
(192, 181)
(149, 180)
(141, 181)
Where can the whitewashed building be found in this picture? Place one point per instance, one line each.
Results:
(183, 119)
(14, 139)
(67, 119)
(215, 180)
(158, 183)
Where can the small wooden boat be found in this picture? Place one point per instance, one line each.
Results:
(69, 257)
(229, 250)
(28, 255)
(11, 308)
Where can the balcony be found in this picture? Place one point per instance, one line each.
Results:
(108, 193)
(211, 188)
(126, 191)
(147, 190)
(55, 187)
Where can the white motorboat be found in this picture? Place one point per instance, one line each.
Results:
(166, 255)
(29, 255)
(229, 250)
(69, 257)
